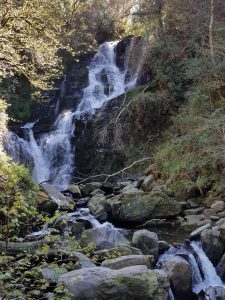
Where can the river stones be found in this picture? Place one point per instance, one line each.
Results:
(147, 241)
(146, 185)
(128, 261)
(136, 282)
(104, 237)
(138, 208)
(180, 275)
(212, 244)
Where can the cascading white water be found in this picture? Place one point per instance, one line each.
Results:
(51, 154)
(204, 275)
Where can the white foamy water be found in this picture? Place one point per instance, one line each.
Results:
(51, 154)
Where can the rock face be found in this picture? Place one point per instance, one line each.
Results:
(134, 283)
(146, 241)
(140, 208)
(128, 261)
(180, 276)
(104, 237)
(212, 245)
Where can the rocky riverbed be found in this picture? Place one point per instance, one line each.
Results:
(128, 239)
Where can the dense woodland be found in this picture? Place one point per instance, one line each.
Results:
(185, 63)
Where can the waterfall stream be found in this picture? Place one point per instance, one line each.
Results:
(204, 276)
(51, 154)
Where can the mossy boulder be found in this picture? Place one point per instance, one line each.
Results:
(138, 208)
(136, 282)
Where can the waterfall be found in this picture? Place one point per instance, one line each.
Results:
(51, 154)
(204, 276)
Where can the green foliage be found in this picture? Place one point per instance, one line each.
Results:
(17, 199)
(195, 151)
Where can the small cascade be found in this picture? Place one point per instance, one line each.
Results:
(204, 276)
(51, 154)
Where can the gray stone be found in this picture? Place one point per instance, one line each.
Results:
(193, 203)
(57, 197)
(221, 222)
(74, 190)
(90, 187)
(128, 261)
(99, 207)
(212, 244)
(208, 213)
(131, 189)
(97, 193)
(104, 237)
(146, 185)
(83, 261)
(190, 226)
(180, 275)
(196, 233)
(137, 282)
(194, 218)
(194, 211)
(218, 206)
(147, 241)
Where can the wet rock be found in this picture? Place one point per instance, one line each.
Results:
(146, 185)
(137, 282)
(99, 207)
(147, 241)
(218, 206)
(128, 261)
(74, 190)
(57, 197)
(104, 237)
(140, 181)
(180, 276)
(212, 245)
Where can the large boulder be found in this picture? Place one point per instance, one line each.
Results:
(146, 241)
(128, 261)
(139, 208)
(137, 282)
(212, 244)
(57, 197)
(99, 207)
(104, 237)
(180, 276)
